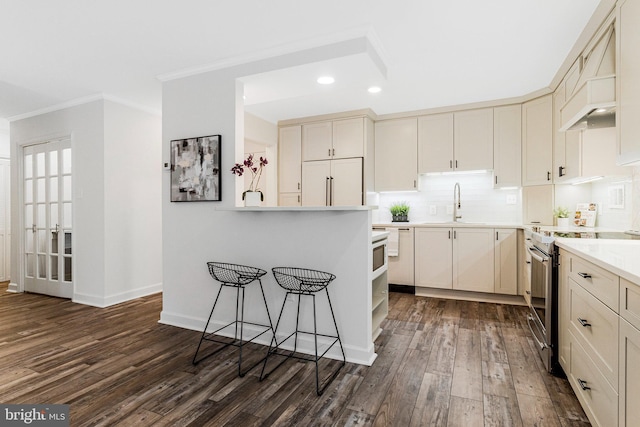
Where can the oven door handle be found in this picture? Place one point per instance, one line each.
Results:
(536, 256)
(541, 344)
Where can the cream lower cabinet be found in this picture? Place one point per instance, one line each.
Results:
(473, 259)
(434, 257)
(401, 267)
(599, 340)
(455, 258)
(506, 259)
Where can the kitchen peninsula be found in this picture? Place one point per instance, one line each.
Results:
(336, 240)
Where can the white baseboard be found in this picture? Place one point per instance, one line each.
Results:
(102, 302)
(13, 287)
(358, 355)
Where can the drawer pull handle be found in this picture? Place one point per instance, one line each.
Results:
(583, 384)
(584, 275)
(583, 322)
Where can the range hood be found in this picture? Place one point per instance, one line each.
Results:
(592, 103)
(592, 106)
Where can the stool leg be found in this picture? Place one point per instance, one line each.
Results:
(240, 373)
(319, 390)
(204, 332)
(344, 358)
(266, 359)
(266, 307)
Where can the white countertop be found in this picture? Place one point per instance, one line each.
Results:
(621, 257)
(296, 208)
(379, 235)
(449, 224)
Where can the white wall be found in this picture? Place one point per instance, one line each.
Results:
(84, 124)
(117, 236)
(133, 203)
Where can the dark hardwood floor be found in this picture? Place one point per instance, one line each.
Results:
(440, 362)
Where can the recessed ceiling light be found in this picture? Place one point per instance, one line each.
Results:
(374, 89)
(326, 80)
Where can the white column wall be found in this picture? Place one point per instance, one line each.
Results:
(196, 232)
(133, 203)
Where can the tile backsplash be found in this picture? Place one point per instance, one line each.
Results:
(480, 202)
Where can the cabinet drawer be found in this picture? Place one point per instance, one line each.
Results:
(599, 400)
(596, 327)
(599, 282)
(630, 302)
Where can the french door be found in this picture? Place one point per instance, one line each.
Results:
(48, 249)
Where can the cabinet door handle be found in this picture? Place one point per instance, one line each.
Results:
(449, 234)
(496, 178)
(583, 322)
(331, 188)
(333, 151)
(456, 164)
(584, 275)
(329, 152)
(561, 171)
(298, 198)
(454, 234)
(298, 186)
(496, 235)
(404, 229)
(583, 384)
(326, 193)
(528, 292)
(548, 176)
(415, 184)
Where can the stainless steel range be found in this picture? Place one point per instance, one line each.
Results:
(542, 271)
(542, 264)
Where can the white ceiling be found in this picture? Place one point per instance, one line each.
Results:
(434, 53)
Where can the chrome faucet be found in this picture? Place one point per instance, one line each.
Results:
(456, 202)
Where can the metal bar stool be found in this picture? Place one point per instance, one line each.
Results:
(304, 282)
(234, 276)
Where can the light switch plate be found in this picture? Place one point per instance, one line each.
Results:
(512, 199)
(433, 210)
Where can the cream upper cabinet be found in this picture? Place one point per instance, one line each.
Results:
(348, 138)
(566, 145)
(317, 141)
(537, 204)
(506, 261)
(460, 141)
(332, 182)
(473, 259)
(473, 139)
(435, 143)
(507, 146)
(290, 159)
(338, 139)
(537, 141)
(396, 148)
(628, 81)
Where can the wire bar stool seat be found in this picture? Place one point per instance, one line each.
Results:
(234, 276)
(304, 282)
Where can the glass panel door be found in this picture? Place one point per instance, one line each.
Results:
(47, 218)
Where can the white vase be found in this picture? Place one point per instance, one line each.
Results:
(563, 223)
(252, 198)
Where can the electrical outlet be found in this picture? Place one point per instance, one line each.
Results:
(449, 209)
(512, 199)
(433, 210)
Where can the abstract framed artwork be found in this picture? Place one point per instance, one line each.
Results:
(195, 169)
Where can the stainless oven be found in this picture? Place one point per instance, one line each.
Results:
(543, 277)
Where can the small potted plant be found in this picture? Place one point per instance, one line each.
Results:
(562, 216)
(253, 196)
(399, 212)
